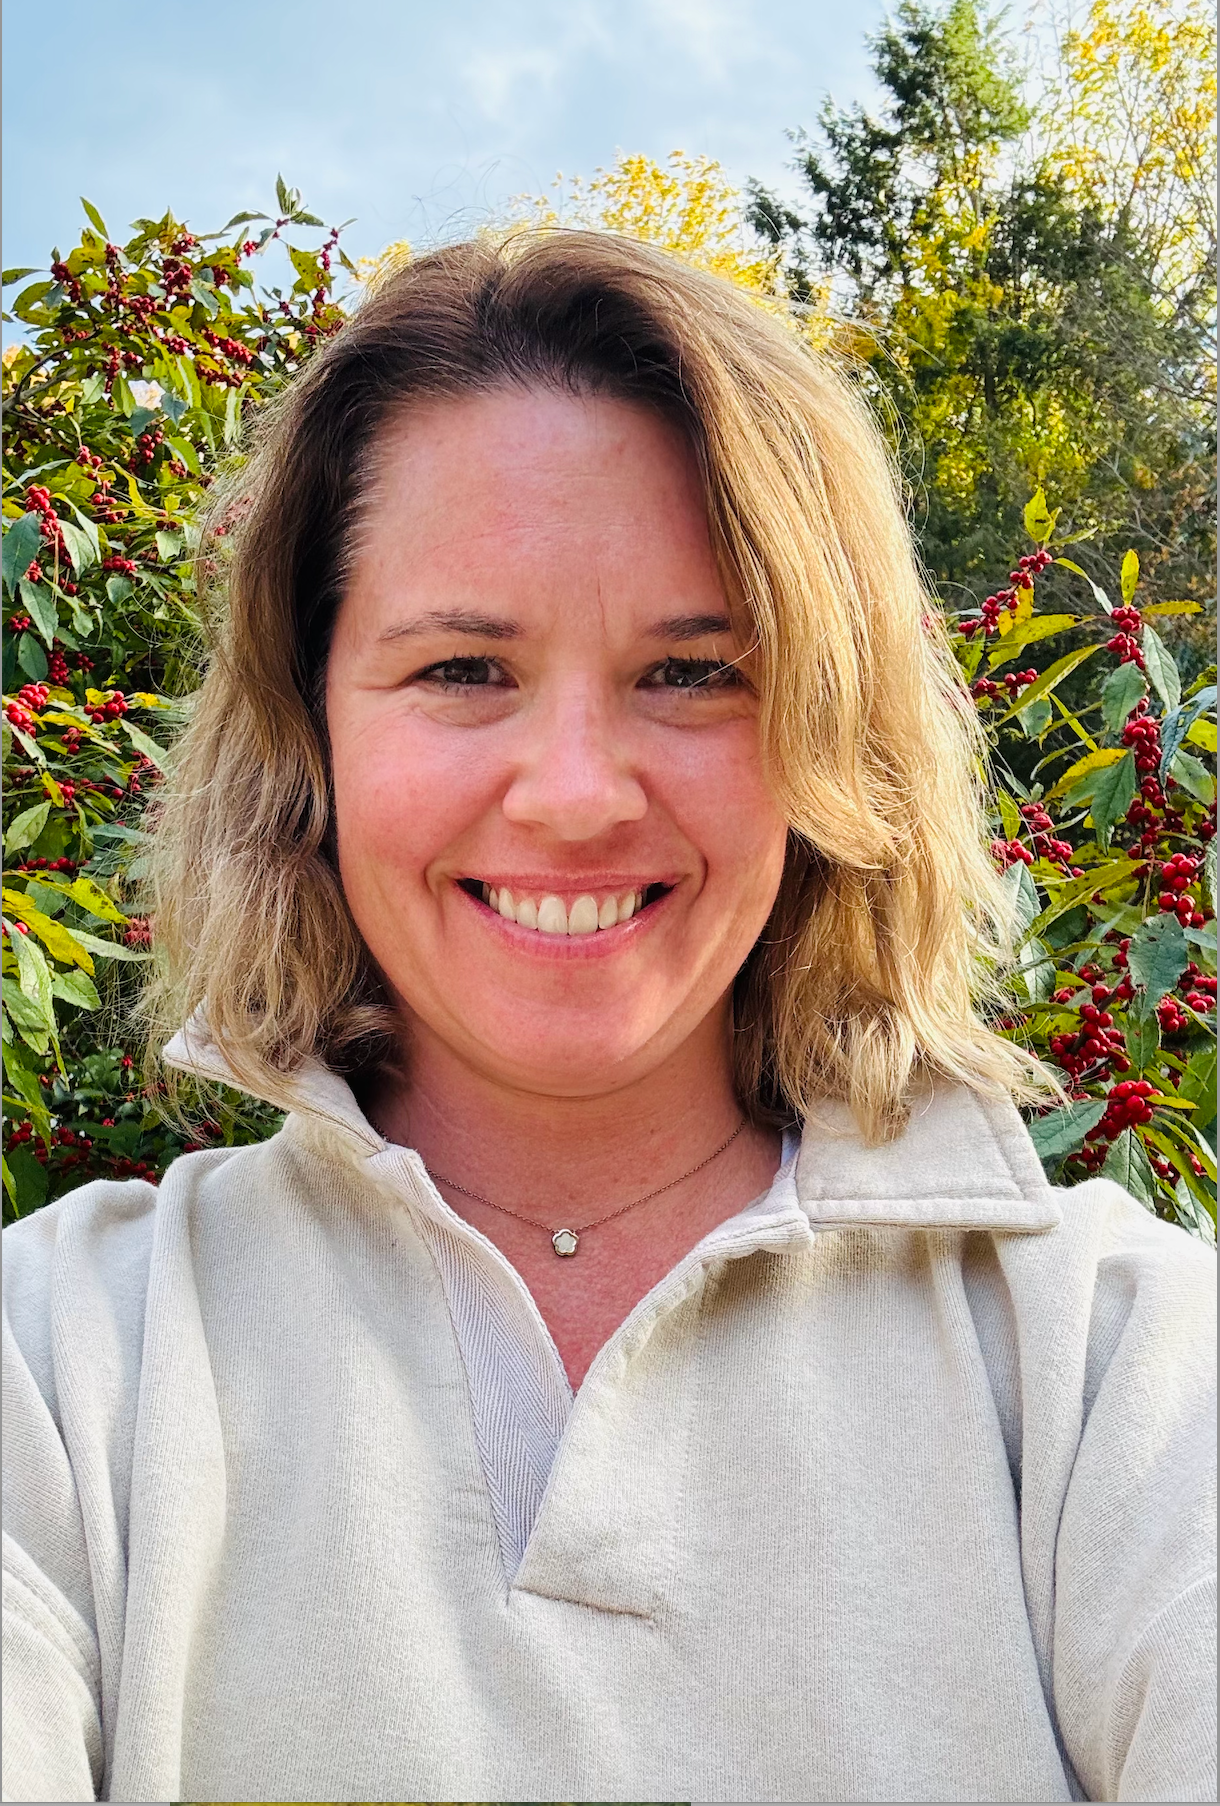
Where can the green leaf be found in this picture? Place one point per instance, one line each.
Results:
(1130, 576)
(89, 530)
(33, 974)
(1143, 1035)
(1120, 693)
(142, 743)
(1194, 777)
(1022, 897)
(1209, 872)
(76, 988)
(31, 657)
(1102, 878)
(118, 589)
(1061, 1132)
(1113, 794)
(1179, 722)
(1156, 958)
(1010, 815)
(95, 218)
(25, 830)
(29, 1177)
(206, 298)
(22, 541)
(80, 549)
(38, 600)
(93, 943)
(1049, 680)
(1161, 668)
(281, 195)
(1035, 719)
(1128, 1165)
(11, 276)
(1099, 595)
(1198, 1085)
(1039, 519)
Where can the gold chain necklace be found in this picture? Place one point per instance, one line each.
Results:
(565, 1242)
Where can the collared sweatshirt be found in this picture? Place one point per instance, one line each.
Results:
(898, 1487)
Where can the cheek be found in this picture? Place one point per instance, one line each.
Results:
(713, 785)
(402, 797)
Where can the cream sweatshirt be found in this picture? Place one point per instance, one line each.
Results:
(910, 1497)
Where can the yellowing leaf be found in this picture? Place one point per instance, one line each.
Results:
(1130, 576)
(1049, 680)
(1039, 627)
(59, 943)
(1108, 755)
(1039, 519)
(1172, 608)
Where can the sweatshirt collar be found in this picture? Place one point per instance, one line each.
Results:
(964, 1161)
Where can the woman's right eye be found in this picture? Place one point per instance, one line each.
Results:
(464, 674)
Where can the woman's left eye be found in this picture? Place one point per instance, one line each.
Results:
(698, 674)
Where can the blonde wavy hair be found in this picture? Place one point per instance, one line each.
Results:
(881, 952)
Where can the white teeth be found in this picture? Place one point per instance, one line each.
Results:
(582, 917)
(552, 916)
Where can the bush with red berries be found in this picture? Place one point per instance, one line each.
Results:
(1105, 821)
(139, 364)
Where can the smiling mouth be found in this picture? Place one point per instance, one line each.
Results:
(549, 914)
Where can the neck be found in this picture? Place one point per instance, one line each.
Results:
(513, 1144)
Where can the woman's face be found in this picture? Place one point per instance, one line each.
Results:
(554, 832)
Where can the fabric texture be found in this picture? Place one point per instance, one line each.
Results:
(899, 1487)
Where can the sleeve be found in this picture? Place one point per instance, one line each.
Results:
(1134, 1661)
(66, 1416)
(52, 1686)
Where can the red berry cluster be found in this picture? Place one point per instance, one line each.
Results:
(110, 710)
(1010, 852)
(65, 865)
(1128, 1106)
(1172, 1017)
(1143, 734)
(1177, 876)
(232, 348)
(1097, 1044)
(63, 274)
(1005, 599)
(57, 667)
(1201, 995)
(126, 567)
(28, 697)
(104, 504)
(986, 689)
(1040, 825)
(139, 932)
(38, 500)
(146, 448)
(1128, 621)
(19, 624)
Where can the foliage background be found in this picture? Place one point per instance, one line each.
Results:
(1016, 268)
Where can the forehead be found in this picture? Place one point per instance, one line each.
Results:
(533, 477)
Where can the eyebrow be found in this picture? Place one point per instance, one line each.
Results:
(495, 627)
(453, 620)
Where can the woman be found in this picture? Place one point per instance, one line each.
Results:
(580, 801)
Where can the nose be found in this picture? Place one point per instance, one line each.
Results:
(574, 775)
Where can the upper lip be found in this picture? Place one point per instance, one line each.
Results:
(564, 883)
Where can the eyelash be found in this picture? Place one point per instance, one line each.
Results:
(716, 676)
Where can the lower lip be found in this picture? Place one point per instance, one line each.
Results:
(602, 944)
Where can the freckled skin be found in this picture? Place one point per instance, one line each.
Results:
(577, 751)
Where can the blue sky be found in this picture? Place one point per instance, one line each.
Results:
(417, 119)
